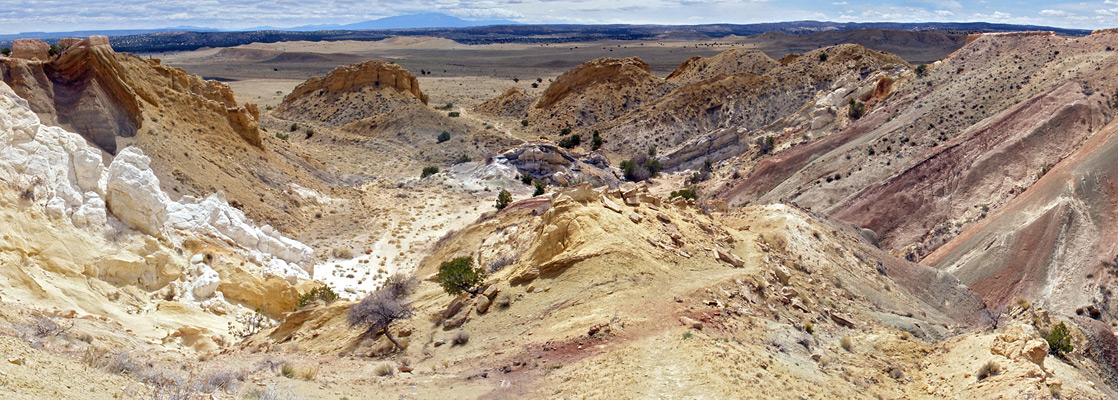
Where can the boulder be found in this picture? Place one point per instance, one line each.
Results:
(454, 307)
(482, 304)
(527, 276)
(456, 321)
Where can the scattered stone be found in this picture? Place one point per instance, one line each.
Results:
(526, 276)
(404, 331)
(663, 218)
(691, 323)
(453, 308)
(842, 320)
(455, 321)
(635, 217)
(531, 288)
(490, 292)
(728, 257)
(405, 368)
(610, 205)
(782, 275)
(17, 360)
(482, 304)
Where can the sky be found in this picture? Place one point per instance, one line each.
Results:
(69, 15)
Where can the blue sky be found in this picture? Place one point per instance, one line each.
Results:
(66, 15)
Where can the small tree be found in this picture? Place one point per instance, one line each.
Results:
(564, 131)
(384, 306)
(525, 178)
(503, 199)
(460, 275)
(921, 70)
(1059, 340)
(541, 187)
(5, 52)
(523, 122)
(294, 127)
(444, 136)
(822, 57)
(596, 141)
(428, 171)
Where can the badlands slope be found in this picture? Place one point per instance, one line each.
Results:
(922, 250)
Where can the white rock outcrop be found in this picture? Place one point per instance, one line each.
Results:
(61, 172)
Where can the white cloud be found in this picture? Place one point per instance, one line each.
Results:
(944, 13)
(1055, 13)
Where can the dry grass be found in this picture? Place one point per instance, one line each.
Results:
(990, 368)
(385, 369)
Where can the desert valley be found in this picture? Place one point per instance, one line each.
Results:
(844, 214)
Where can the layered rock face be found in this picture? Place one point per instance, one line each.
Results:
(60, 172)
(92, 90)
(352, 92)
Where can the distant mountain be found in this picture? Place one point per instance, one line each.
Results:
(411, 21)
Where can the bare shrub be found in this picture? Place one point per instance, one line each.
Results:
(385, 369)
(460, 338)
(990, 368)
(504, 300)
(386, 305)
(500, 262)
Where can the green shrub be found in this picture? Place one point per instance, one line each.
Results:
(464, 159)
(428, 171)
(1059, 340)
(570, 142)
(564, 131)
(323, 293)
(535, 85)
(641, 167)
(541, 187)
(294, 127)
(523, 122)
(823, 57)
(444, 136)
(503, 199)
(921, 70)
(454, 114)
(857, 109)
(525, 178)
(5, 52)
(596, 141)
(282, 136)
(687, 193)
(460, 275)
(310, 133)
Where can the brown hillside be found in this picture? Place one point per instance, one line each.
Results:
(513, 103)
(352, 92)
(729, 62)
